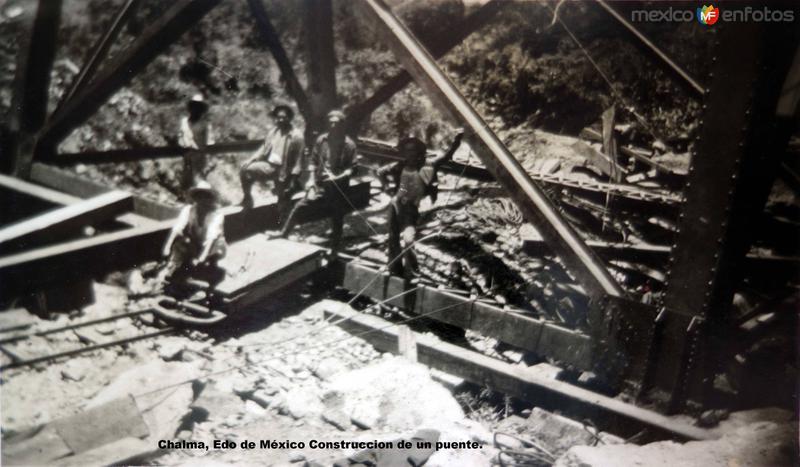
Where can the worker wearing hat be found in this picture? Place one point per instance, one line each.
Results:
(414, 178)
(196, 242)
(279, 159)
(330, 168)
(195, 135)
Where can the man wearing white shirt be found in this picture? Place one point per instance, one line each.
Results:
(195, 135)
(279, 159)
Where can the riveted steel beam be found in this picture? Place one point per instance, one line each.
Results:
(156, 38)
(31, 85)
(587, 268)
(98, 52)
(734, 164)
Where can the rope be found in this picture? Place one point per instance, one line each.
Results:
(346, 198)
(534, 455)
(329, 324)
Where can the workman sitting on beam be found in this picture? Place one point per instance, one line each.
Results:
(279, 159)
(196, 242)
(414, 179)
(330, 168)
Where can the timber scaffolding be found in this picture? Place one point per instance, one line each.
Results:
(667, 353)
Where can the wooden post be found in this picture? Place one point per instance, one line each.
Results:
(321, 57)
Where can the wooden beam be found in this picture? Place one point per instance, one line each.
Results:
(321, 60)
(156, 38)
(546, 339)
(66, 262)
(96, 256)
(47, 195)
(63, 222)
(81, 187)
(635, 153)
(115, 156)
(608, 413)
(273, 41)
(438, 47)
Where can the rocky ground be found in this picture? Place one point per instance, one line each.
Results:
(300, 377)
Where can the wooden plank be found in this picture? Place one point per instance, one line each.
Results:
(256, 258)
(601, 161)
(126, 451)
(63, 222)
(608, 413)
(291, 272)
(113, 156)
(569, 347)
(106, 423)
(93, 257)
(75, 185)
(50, 196)
(88, 257)
(638, 154)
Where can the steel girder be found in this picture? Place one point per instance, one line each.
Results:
(31, 83)
(99, 52)
(587, 268)
(733, 166)
(156, 38)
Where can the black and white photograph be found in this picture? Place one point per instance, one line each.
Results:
(390, 233)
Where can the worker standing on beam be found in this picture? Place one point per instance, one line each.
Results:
(330, 168)
(195, 135)
(279, 159)
(196, 242)
(414, 179)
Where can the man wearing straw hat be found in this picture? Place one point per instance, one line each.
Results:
(279, 159)
(195, 135)
(196, 242)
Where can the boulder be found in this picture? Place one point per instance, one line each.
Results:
(217, 402)
(162, 401)
(329, 367)
(392, 393)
